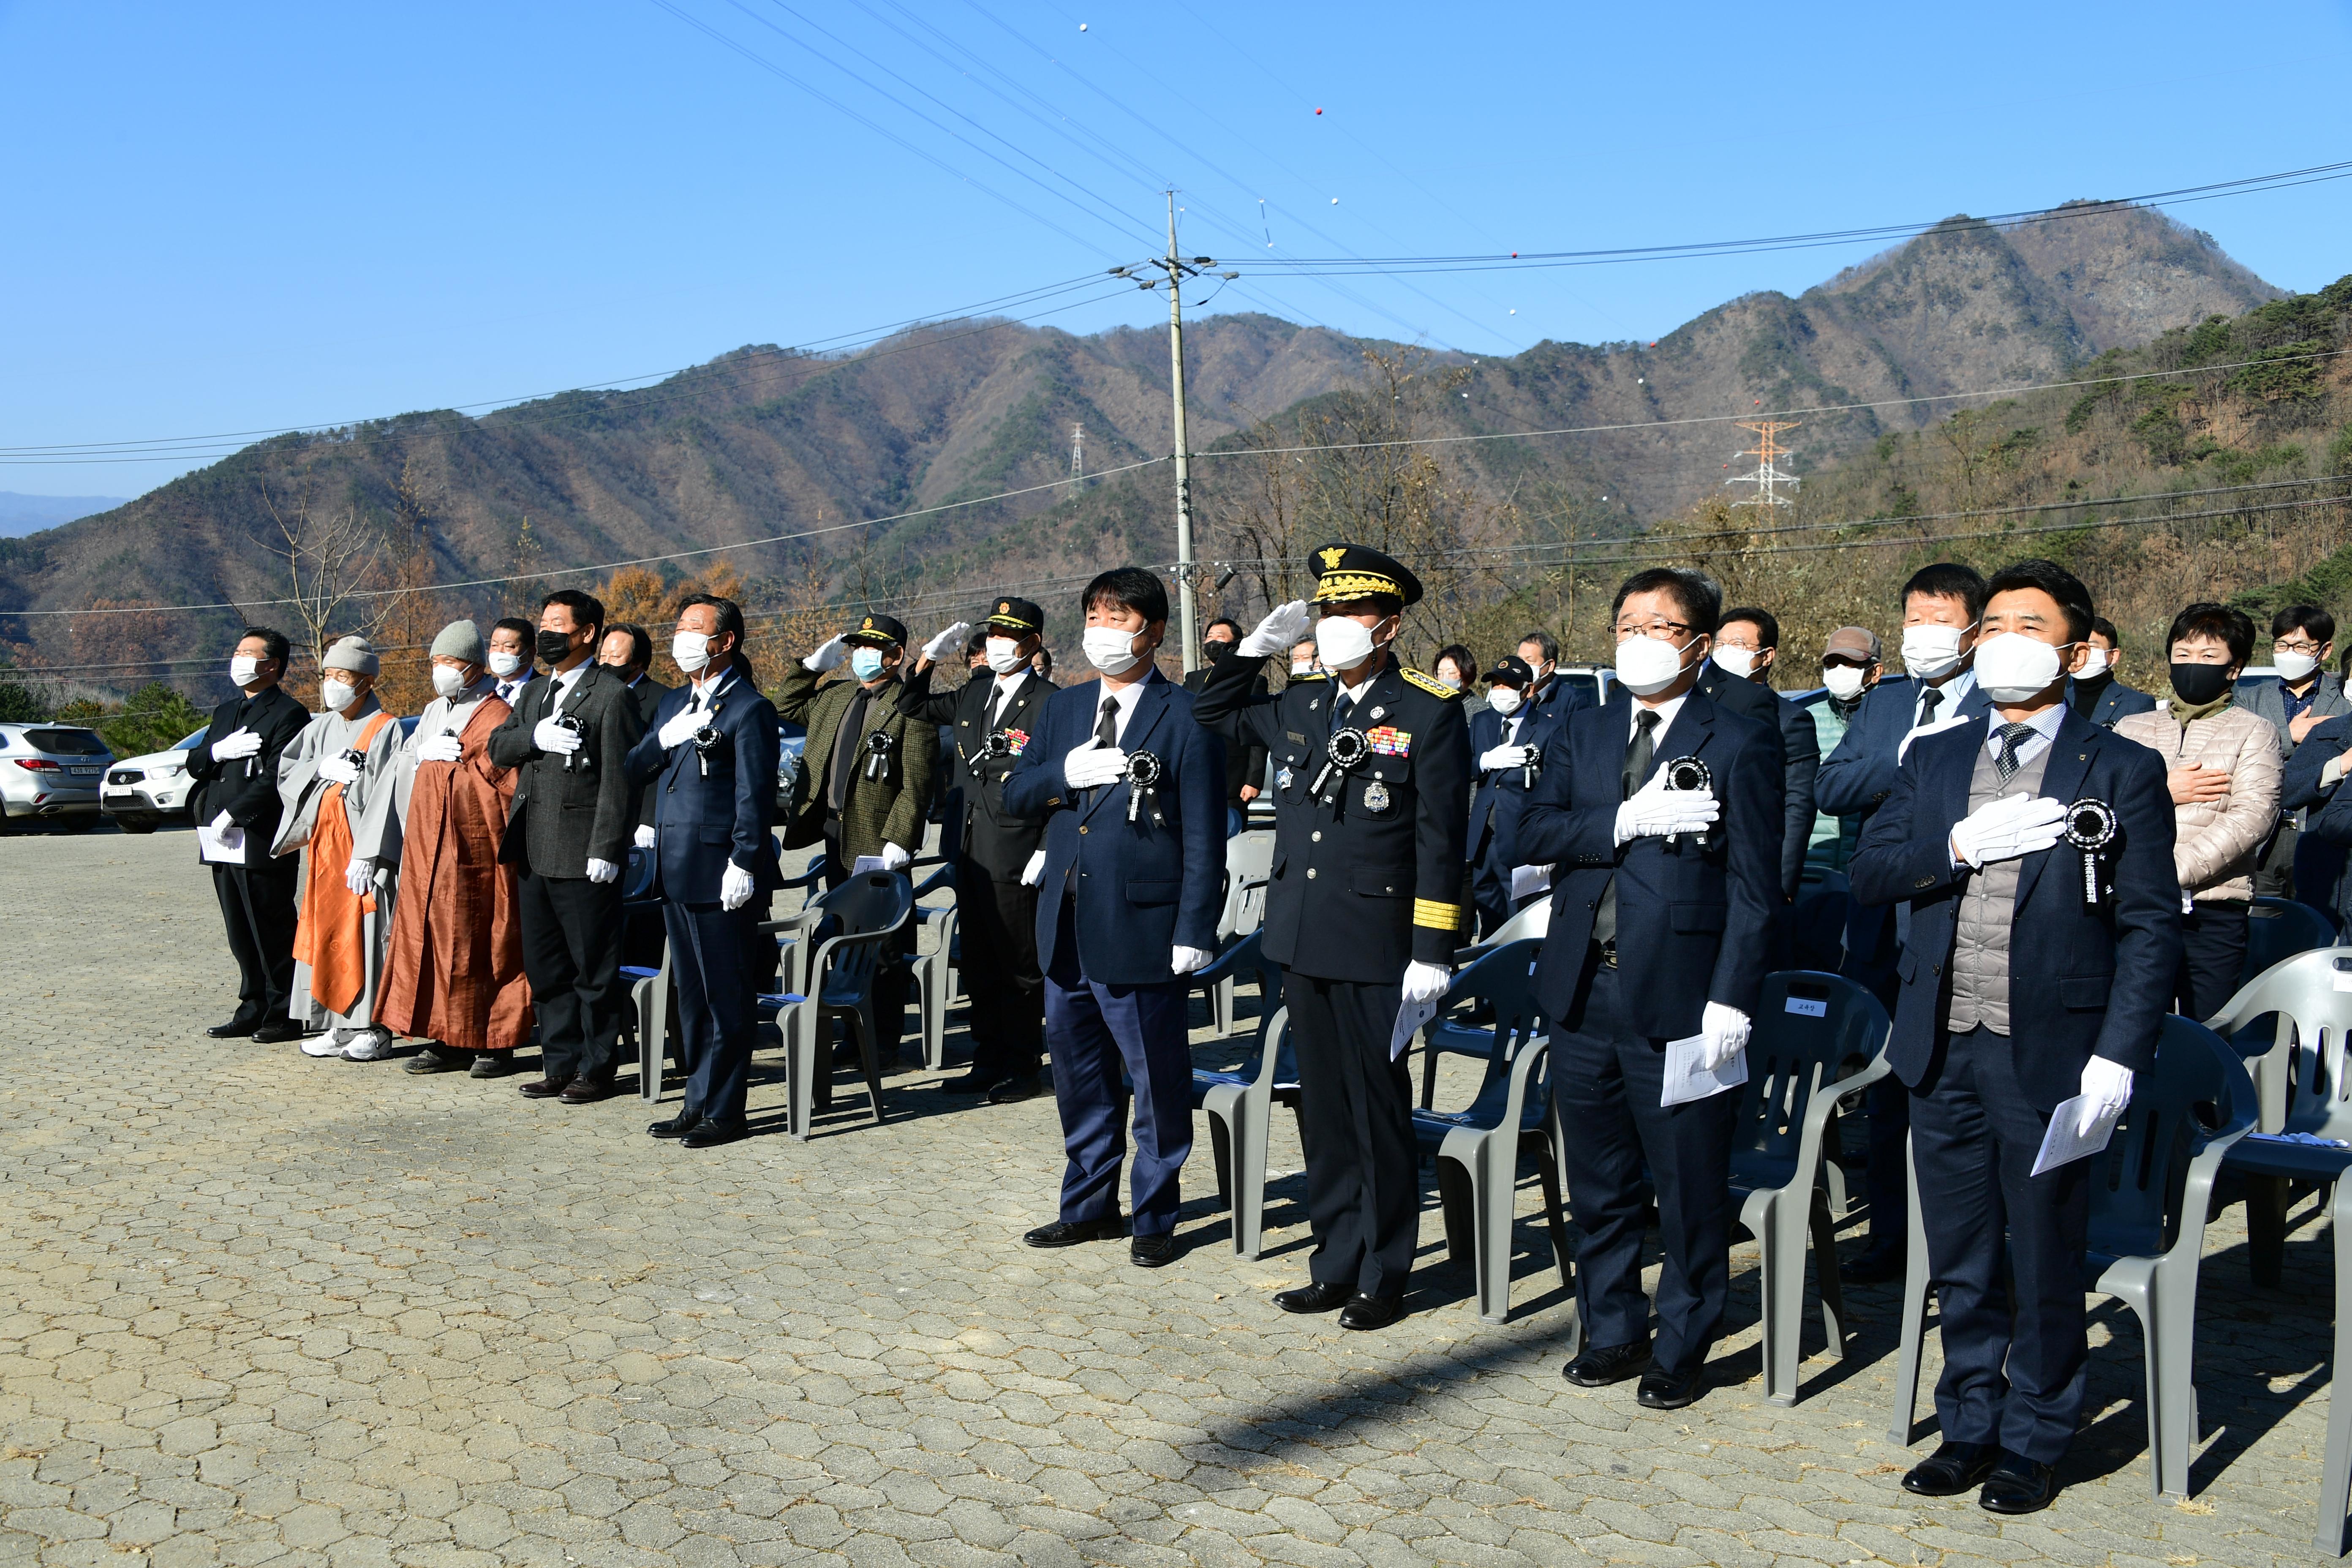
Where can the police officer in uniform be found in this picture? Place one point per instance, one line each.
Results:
(1372, 791)
(989, 720)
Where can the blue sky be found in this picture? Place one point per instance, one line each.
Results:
(254, 216)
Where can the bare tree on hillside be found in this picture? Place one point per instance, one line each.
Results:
(333, 561)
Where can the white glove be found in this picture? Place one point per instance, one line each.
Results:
(442, 747)
(1426, 982)
(1035, 872)
(894, 856)
(679, 729)
(828, 656)
(1093, 765)
(734, 887)
(2013, 826)
(1655, 811)
(1498, 757)
(1184, 960)
(337, 769)
(603, 871)
(224, 823)
(946, 642)
(1726, 1030)
(235, 745)
(550, 736)
(2106, 1089)
(1284, 627)
(358, 875)
(645, 837)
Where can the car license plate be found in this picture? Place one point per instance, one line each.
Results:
(84, 772)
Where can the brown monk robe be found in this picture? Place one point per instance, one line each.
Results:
(455, 970)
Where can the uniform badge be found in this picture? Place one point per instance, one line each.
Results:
(1018, 738)
(1380, 713)
(1376, 796)
(1282, 779)
(1388, 741)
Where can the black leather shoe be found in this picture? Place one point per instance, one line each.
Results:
(1601, 1365)
(584, 1091)
(970, 1083)
(709, 1134)
(1023, 1086)
(543, 1087)
(1317, 1297)
(1874, 1266)
(1364, 1311)
(234, 1029)
(678, 1126)
(1951, 1469)
(1154, 1251)
(278, 1032)
(2018, 1485)
(1663, 1390)
(1072, 1232)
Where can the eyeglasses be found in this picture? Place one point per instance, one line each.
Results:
(2290, 644)
(1652, 628)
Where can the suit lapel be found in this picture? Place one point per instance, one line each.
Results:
(1687, 736)
(2070, 750)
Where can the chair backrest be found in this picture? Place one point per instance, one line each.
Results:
(1506, 979)
(638, 877)
(2278, 929)
(1532, 922)
(1249, 855)
(1817, 926)
(1277, 1060)
(1809, 1028)
(2299, 1067)
(2197, 1089)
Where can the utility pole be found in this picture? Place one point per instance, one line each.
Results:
(1174, 269)
(1768, 453)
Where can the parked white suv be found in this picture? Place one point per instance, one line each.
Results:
(143, 792)
(50, 771)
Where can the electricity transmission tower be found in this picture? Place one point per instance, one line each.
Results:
(1078, 451)
(1768, 453)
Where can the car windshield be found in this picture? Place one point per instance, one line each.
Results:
(190, 744)
(67, 742)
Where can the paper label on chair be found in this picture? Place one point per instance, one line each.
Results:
(1805, 1007)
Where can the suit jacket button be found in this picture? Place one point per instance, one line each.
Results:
(1316, 837)
(1082, 827)
(1311, 873)
(1935, 969)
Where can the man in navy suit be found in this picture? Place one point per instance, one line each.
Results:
(1507, 738)
(709, 768)
(1941, 605)
(2015, 996)
(1133, 794)
(1663, 900)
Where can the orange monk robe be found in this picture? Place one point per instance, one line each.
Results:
(453, 973)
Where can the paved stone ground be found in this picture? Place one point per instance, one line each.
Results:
(258, 1309)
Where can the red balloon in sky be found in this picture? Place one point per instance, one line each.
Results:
(1318, 112)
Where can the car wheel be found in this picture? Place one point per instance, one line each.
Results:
(135, 823)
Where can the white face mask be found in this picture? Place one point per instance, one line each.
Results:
(1843, 679)
(1738, 661)
(1341, 643)
(2095, 664)
(1004, 655)
(1111, 650)
(1646, 665)
(2292, 667)
(1452, 682)
(1302, 666)
(1503, 699)
(337, 695)
(1931, 653)
(449, 682)
(690, 651)
(241, 671)
(2014, 668)
(505, 664)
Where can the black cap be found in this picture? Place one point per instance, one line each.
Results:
(1017, 615)
(1352, 571)
(879, 631)
(1512, 669)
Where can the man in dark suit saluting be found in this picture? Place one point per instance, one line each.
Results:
(567, 834)
(709, 767)
(1133, 794)
(1664, 879)
(990, 722)
(235, 768)
(2016, 994)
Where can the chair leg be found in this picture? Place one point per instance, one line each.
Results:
(1780, 1236)
(1454, 1202)
(1221, 1153)
(865, 1021)
(801, 1021)
(1221, 1006)
(2266, 1206)
(1428, 1074)
(1825, 1272)
(1912, 1326)
(1494, 1190)
(1255, 1113)
(935, 1016)
(2336, 1472)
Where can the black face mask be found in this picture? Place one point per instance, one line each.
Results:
(2198, 684)
(555, 647)
(1217, 650)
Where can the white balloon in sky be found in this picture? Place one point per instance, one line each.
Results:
(1335, 200)
(1082, 26)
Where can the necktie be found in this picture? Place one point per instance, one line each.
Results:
(1342, 710)
(2012, 737)
(1638, 754)
(1929, 701)
(1107, 725)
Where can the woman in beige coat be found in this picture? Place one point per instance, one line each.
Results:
(2223, 763)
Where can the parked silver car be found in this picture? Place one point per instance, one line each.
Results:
(50, 771)
(144, 792)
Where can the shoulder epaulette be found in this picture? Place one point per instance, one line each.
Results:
(1430, 684)
(1311, 675)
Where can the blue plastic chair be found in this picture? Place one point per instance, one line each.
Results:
(2151, 1189)
(1243, 955)
(2278, 929)
(2300, 1089)
(1240, 1108)
(872, 908)
(1507, 988)
(935, 976)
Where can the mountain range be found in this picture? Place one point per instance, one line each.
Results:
(22, 514)
(764, 441)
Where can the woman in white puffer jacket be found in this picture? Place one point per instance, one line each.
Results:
(2223, 763)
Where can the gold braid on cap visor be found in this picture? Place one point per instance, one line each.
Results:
(1354, 586)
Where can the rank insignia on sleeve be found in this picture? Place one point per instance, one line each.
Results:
(1018, 738)
(1388, 741)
